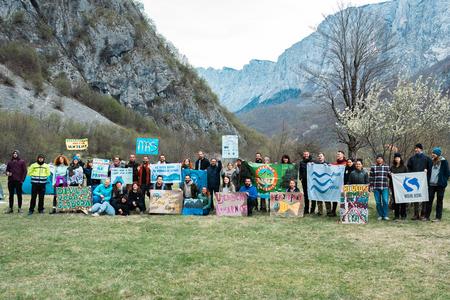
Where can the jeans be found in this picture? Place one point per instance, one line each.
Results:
(382, 201)
(104, 207)
(439, 191)
(37, 189)
(16, 186)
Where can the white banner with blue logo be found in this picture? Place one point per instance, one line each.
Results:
(410, 187)
(325, 182)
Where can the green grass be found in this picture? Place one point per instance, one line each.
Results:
(76, 256)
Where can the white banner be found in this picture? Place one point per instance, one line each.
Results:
(410, 187)
(230, 146)
(100, 168)
(325, 182)
(171, 173)
(123, 175)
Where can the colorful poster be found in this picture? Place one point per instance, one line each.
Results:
(354, 204)
(147, 146)
(193, 207)
(123, 175)
(171, 173)
(231, 204)
(166, 202)
(76, 144)
(410, 187)
(271, 177)
(73, 197)
(100, 168)
(199, 177)
(325, 182)
(286, 204)
(230, 146)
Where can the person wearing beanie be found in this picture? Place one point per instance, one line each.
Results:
(39, 172)
(398, 166)
(75, 172)
(419, 162)
(438, 182)
(379, 184)
(16, 171)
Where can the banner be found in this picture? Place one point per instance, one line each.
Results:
(325, 182)
(272, 177)
(100, 168)
(193, 207)
(123, 175)
(166, 202)
(76, 144)
(49, 190)
(171, 173)
(410, 187)
(230, 146)
(199, 177)
(286, 204)
(231, 204)
(73, 197)
(354, 204)
(147, 146)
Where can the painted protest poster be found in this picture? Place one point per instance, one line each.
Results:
(199, 177)
(73, 197)
(354, 204)
(230, 146)
(231, 204)
(147, 146)
(410, 187)
(171, 173)
(77, 144)
(286, 204)
(100, 168)
(122, 175)
(270, 178)
(325, 182)
(166, 202)
(193, 207)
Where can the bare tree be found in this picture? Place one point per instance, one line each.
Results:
(357, 47)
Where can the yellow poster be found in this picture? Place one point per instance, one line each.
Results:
(76, 144)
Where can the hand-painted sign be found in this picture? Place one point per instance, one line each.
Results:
(166, 202)
(147, 146)
(171, 173)
(231, 204)
(122, 175)
(286, 204)
(77, 144)
(354, 204)
(73, 197)
(100, 168)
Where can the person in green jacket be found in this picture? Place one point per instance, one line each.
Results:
(39, 172)
(206, 199)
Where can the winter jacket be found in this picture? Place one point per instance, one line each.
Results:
(396, 170)
(358, 177)
(213, 174)
(419, 162)
(18, 168)
(137, 197)
(206, 200)
(134, 165)
(125, 207)
(105, 191)
(202, 164)
(347, 172)
(89, 180)
(117, 197)
(194, 189)
(443, 173)
(75, 175)
(165, 187)
(144, 169)
(232, 174)
(39, 173)
(251, 190)
(302, 168)
(296, 190)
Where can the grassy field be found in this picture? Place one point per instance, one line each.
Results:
(82, 257)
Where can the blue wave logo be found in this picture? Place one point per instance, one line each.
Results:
(322, 183)
(409, 184)
(326, 174)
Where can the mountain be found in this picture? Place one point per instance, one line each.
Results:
(422, 30)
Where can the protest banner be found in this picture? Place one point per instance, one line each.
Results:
(231, 204)
(147, 146)
(76, 144)
(325, 182)
(73, 197)
(199, 177)
(354, 204)
(286, 204)
(230, 146)
(26, 186)
(166, 202)
(122, 175)
(271, 177)
(193, 207)
(171, 173)
(100, 168)
(410, 187)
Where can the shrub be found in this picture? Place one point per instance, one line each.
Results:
(17, 18)
(45, 31)
(63, 85)
(4, 79)
(58, 103)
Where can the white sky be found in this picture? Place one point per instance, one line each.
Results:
(213, 33)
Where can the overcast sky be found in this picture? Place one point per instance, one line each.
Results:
(213, 33)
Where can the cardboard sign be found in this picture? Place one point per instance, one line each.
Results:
(100, 168)
(73, 197)
(286, 204)
(166, 202)
(147, 146)
(171, 173)
(410, 187)
(231, 204)
(230, 146)
(76, 144)
(123, 175)
(354, 204)
(325, 182)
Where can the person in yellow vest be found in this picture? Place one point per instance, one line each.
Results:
(39, 172)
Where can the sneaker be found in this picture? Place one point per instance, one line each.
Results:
(20, 211)
(436, 220)
(386, 219)
(379, 218)
(9, 211)
(30, 213)
(84, 210)
(95, 215)
(53, 211)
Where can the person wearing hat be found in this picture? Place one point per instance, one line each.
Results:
(438, 182)
(75, 172)
(398, 166)
(39, 172)
(419, 162)
(16, 170)
(379, 184)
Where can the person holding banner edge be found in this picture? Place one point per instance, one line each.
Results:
(252, 195)
(398, 166)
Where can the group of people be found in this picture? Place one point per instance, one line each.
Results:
(118, 199)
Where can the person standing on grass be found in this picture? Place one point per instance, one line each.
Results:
(102, 198)
(213, 176)
(136, 199)
(340, 161)
(379, 184)
(202, 162)
(303, 174)
(438, 182)
(144, 176)
(133, 164)
(39, 172)
(420, 163)
(358, 175)
(398, 166)
(252, 195)
(227, 186)
(320, 160)
(59, 177)
(16, 170)
(75, 173)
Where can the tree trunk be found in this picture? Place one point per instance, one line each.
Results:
(352, 145)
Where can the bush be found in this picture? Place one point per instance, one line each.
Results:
(63, 85)
(45, 31)
(17, 18)
(4, 79)
(58, 103)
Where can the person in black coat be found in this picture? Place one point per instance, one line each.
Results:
(132, 163)
(303, 174)
(202, 162)
(123, 206)
(349, 168)
(213, 175)
(136, 198)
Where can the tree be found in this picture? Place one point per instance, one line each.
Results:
(357, 55)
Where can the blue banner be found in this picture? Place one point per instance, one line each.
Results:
(198, 177)
(325, 182)
(147, 146)
(26, 187)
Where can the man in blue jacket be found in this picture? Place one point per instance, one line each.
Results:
(251, 192)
